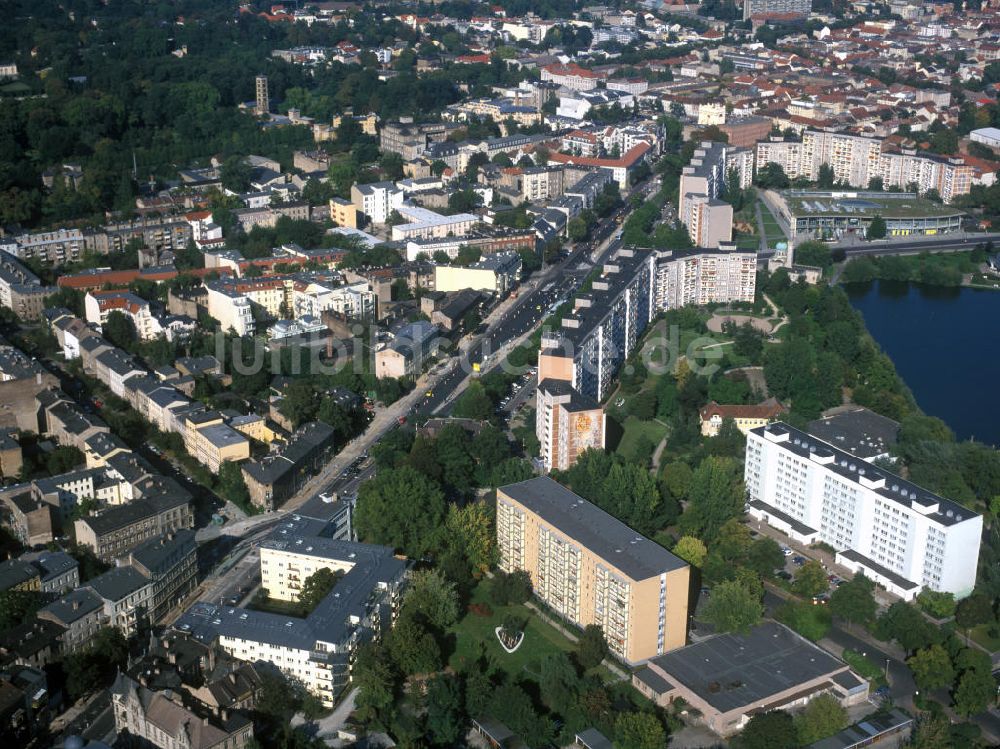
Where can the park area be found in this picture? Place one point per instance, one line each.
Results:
(475, 633)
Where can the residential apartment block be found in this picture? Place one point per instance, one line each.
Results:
(709, 220)
(857, 160)
(606, 324)
(160, 719)
(897, 533)
(704, 276)
(377, 200)
(592, 569)
(776, 8)
(317, 650)
(572, 76)
(567, 424)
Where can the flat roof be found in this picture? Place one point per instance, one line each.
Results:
(871, 564)
(862, 734)
(863, 204)
(593, 528)
(732, 671)
(859, 431)
(854, 469)
(797, 525)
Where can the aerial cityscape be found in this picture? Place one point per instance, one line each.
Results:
(506, 375)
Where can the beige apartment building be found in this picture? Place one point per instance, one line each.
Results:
(567, 423)
(856, 160)
(212, 442)
(710, 221)
(593, 569)
(343, 213)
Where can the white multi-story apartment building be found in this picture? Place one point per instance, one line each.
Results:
(99, 304)
(356, 301)
(230, 308)
(900, 535)
(700, 276)
(709, 220)
(317, 650)
(377, 200)
(856, 160)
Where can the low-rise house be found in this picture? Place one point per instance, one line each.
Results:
(35, 642)
(746, 418)
(58, 571)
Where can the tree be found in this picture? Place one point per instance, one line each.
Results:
(236, 174)
(232, 486)
(445, 714)
(826, 177)
(412, 648)
(639, 731)
(432, 597)
(317, 586)
(810, 579)
(691, 550)
(559, 682)
(90, 669)
(374, 676)
(400, 508)
(973, 610)
(733, 607)
(473, 403)
(854, 601)
(120, 330)
(975, 692)
(877, 229)
(771, 730)
(715, 496)
(577, 229)
(471, 528)
(938, 604)
(512, 706)
(765, 556)
(931, 667)
(17, 606)
(592, 648)
(510, 589)
(822, 717)
(907, 626)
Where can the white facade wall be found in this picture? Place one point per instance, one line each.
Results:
(920, 537)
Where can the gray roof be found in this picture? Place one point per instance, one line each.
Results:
(859, 431)
(731, 671)
(593, 528)
(329, 622)
(14, 572)
(307, 441)
(863, 733)
(52, 564)
(578, 401)
(849, 467)
(797, 525)
(157, 555)
(118, 582)
(74, 605)
(871, 564)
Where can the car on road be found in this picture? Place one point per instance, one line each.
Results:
(820, 600)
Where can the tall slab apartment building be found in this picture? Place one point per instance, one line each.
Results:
(593, 569)
(578, 362)
(900, 535)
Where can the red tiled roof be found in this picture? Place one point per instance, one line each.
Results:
(626, 160)
(769, 409)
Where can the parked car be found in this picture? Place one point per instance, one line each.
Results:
(785, 575)
(821, 600)
(786, 551)
(799, 561)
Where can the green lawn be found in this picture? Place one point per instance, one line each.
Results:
(771, 227)
(473, 630)
(635, 429)
(982, 636)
